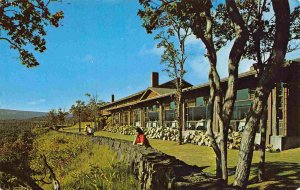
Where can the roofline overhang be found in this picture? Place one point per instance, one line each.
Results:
(242, 75)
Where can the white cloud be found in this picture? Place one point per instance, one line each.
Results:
(151, 51)
(269, 15)
(293, 55)
(294, 4)
(245, 65)
(223, 56)
(35, 102)
(111, 1)
(198, 67)
(163, 77)
(89, 58)
(192, 40)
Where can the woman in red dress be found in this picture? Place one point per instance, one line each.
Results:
(140, 138)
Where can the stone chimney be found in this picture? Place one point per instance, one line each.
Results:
(154, 79)
(112, 98)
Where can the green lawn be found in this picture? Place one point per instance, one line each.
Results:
(75, 128)
(283, 169)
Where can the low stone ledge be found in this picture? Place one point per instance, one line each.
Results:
(156, 170)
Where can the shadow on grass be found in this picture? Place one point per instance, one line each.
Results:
(279, 175)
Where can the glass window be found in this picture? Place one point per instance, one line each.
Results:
(243, 103)
(125, 117)
(242, 94)
(172, 105)
(241, 109)
(170, 115)
(153, 116)
(196, 113)
(199, 101)
(136, 115)
(154, 107)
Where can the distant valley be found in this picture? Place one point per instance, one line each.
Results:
(6, 114)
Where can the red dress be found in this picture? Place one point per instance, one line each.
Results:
(140, 138)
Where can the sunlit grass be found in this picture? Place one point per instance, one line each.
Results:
(75, 128)
(285, 165)
(73, 157)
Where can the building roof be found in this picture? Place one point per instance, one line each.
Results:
(143, 100)
(242, 75)
(162, 91)
(171, 84)
(125, 98)
(166, 89)
(297, 60)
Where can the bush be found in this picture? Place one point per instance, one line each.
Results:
(79, 163)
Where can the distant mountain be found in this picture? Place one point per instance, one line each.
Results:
(6, 114)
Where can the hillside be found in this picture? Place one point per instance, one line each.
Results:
(6, 114)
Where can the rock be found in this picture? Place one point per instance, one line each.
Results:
(236, 134)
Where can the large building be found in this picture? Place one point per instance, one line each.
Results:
(155, 106)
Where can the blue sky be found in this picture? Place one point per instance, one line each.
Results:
(100, 49)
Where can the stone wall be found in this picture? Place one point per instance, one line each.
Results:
(158, 171)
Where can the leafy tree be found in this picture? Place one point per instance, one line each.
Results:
(61, 116)
(93, 108)
(52, 118)
(15, 148)
(173, 34)
(195, 11)
(78, 110)
(23, 23)
(254, 37)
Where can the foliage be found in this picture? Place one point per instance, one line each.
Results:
(78, 110)
(173, 34)
(255, 35)
(56, 117)
(108, 178)
(51, 117)
(92, 108)
(15, 147)
(77, 162)
(23, 23)
(260, 23)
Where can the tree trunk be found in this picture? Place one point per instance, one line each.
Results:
(179, 118)
(210, 121)
(248, 137)
(268, 78)
(55, 182)
(79, 123)
(223, 149)
(95, 123)
(219, 173)
(263, 136)
(21, 175)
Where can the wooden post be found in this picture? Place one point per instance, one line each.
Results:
(142, 116)
(161, 116)
(183, 116)
(112, 119)
(133, 117)
(285, 116)
(269, 123)
(129, 117)
(274, 112)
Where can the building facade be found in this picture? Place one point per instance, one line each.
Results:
(155, 106)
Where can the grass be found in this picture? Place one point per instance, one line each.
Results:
(80, 164)
(75, 128)
(282, 169)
